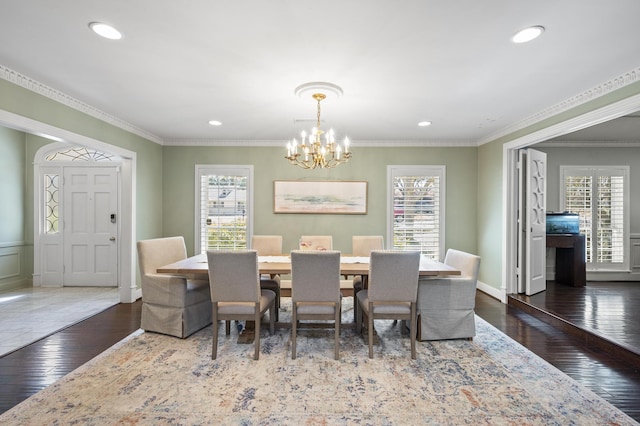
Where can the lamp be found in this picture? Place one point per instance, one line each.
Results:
(313, 152)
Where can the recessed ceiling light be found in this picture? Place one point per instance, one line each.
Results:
(424, 123)
(215, 123)
(105, 30)
(528, 34)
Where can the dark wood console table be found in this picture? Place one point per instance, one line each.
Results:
(571, 268)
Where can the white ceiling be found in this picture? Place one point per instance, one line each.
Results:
(181, 64)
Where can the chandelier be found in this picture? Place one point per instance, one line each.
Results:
(312, 151)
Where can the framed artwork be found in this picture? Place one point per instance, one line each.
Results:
(320, 197)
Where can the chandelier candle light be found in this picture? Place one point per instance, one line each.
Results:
(313, 152)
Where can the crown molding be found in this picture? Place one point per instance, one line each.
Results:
(51, 93)
(589, 95)
(356, 144)
(558, 143)
(612, 85)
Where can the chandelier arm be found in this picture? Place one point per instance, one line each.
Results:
(321, 156)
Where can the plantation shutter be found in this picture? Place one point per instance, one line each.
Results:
(599, 195)
(418, 210)
(223, 208)
(578, 199)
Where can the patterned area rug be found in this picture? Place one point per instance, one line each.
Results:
(153, 379)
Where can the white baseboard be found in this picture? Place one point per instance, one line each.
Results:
(15, 285)
(496, 293)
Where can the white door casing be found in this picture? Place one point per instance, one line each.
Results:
(90, 228)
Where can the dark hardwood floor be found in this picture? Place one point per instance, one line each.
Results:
(34, 367)
(28, 370)
(601, 371)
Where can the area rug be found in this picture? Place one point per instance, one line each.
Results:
(154, 379)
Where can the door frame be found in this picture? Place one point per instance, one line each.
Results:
(510, 178)
(127, 271)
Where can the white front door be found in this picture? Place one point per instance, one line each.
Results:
(532, 222)
(90, 228)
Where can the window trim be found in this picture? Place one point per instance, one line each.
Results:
(222, 169)
(594, 170)
(417, 170)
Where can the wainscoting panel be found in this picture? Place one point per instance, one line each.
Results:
(9, 264)
(15, 266)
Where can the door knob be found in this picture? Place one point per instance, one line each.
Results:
(112, 239)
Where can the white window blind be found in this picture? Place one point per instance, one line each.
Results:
(223, 207)
(600, 197)
(416, 200)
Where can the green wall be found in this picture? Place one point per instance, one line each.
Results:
(490, 182)
(12, 185)
(166, 176)
(368, 164)
(16, 255)
(29, 104)
(26, 103)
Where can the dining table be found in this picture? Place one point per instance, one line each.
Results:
(197, 267)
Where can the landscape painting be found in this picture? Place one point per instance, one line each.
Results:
(323, 197)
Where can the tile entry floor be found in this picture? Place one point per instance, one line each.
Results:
(29, 314)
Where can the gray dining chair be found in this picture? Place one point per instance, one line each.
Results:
(171, 304)
(446, 306)
(391, 292)
(363, 245)
(269, 245)
(315, 291)
(236, 293)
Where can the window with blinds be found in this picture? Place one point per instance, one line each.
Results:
(223, 206)
(600, 196)
(416, 200)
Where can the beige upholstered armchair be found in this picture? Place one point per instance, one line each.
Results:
(315, 291)
(171, 304)
(446, 305)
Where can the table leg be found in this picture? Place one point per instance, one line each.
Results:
(248, 333)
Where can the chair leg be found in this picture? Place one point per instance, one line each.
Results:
(227, 327)
(294, 330)
(413, 330)
(214, 317)
(273, 313)
(358, 317)
(370, 318)
(257, 333)
(338, 313)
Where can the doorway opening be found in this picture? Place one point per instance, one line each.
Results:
(510, 193)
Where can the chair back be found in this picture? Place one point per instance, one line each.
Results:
(393, 275)
(267, 245)
(362, 245)
(233, 275)
(467, 263)
(158, 252)
(315, 276)
(316, 242)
